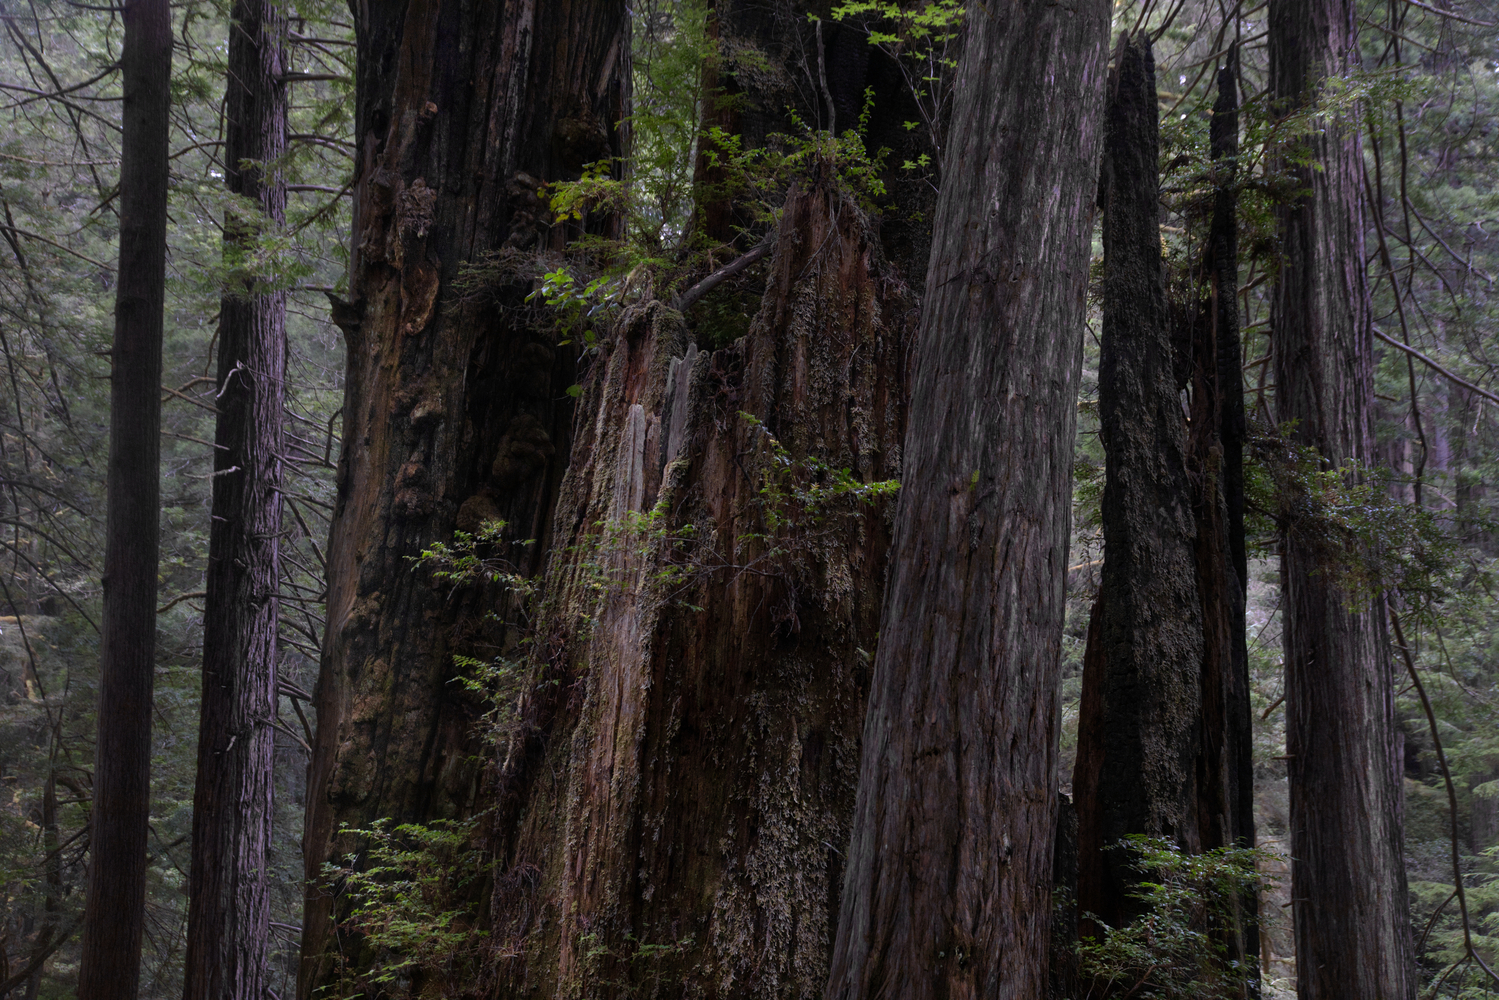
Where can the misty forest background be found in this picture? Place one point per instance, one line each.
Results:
(691, 177)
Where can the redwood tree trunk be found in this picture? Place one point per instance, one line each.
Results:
(1137, 751)
(1348, 881)
(228, 900)
(115, 905)
(687, 829)
(948, 885)
(455, 411)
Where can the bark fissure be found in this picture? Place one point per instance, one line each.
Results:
(948, 884)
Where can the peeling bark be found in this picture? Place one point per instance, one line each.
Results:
(686, 832)
(454, 411)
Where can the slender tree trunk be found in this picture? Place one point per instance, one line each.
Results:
(455, 410)
(1348, 882)
(1136, 772)
(949, 877)
(228, 898)
(688, 827)
(1215, 464)
(110, 959)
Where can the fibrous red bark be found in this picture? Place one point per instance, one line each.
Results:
(455, 410)
(1348, 877)
(948, 886)
(688, 827)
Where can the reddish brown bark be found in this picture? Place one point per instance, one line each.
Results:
(228, 896)
(689, 825)
(109, 966)
(948, 889)
(1348, 878)
(455, 410)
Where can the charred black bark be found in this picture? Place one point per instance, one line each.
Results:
(1215, 461)
(455, 410)
(1149, 614)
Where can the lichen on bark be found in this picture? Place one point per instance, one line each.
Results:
(686, 824)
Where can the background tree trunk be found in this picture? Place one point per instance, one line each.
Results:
(1348, 882)
(689, 825)
(228, 902)
(948, 887)
(455, 410)
(115, 905)
(1215, 464)
(1136, 772)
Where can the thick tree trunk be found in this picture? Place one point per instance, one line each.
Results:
(948, 887)
(228, 896)
(688, 828)
(1348, 883)
(455, 410)
(1145, 655)
(109, 966)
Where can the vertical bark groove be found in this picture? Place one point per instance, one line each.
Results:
(228, 895)
(702, 776)
(455, 410)
(1348, 880)
(948, 884)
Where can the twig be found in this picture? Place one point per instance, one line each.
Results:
(179, 599)
(1436, 740)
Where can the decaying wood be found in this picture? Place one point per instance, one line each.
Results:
(455, 410)
(701, 672)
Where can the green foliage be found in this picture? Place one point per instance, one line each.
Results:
(580, 310)
(808, 494)
(1171, 951)
(413, 902)
(923, 38)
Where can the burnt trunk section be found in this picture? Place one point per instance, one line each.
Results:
(1143, 667)
(109, 964)
(1348, 882)
(688, 826)
(455, 410)
(228, 897)
(949, 877)
(1215, 463)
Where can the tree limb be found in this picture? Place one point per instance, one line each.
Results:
(690, 298)
(1458, 379)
